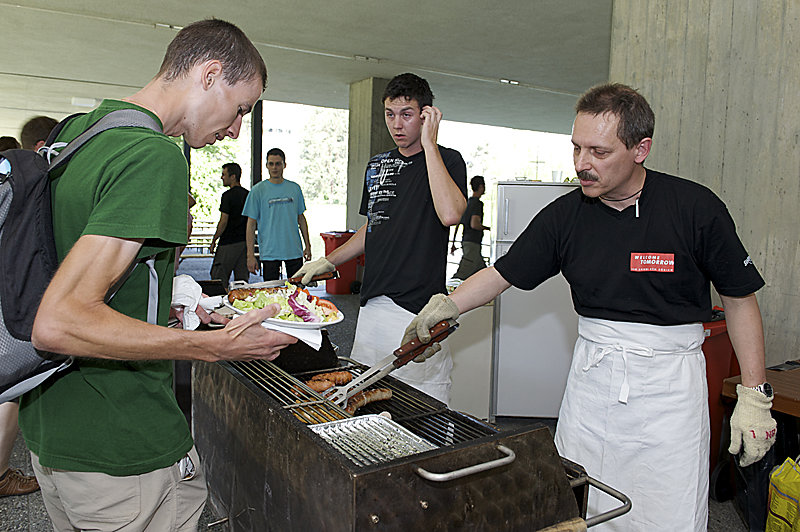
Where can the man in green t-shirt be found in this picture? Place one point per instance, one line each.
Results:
(109, 445)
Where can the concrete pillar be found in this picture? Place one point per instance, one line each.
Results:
(367, 136)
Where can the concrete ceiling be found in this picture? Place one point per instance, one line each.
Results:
(93, 49)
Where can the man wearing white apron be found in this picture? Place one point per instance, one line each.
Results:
(412, 195)
(640, 249)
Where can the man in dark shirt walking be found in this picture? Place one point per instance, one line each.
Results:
(472, 220)
(231, 255)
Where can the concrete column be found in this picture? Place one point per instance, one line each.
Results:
(367, 136)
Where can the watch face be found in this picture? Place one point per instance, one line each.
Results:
(767, 388)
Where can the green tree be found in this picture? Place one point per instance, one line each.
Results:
(324, 157)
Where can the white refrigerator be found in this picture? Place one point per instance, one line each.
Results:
(534, 331)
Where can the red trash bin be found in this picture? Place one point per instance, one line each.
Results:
(348, 270)
(720, 364)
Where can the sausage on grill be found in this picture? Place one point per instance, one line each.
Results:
(336, 377)
(367, 396)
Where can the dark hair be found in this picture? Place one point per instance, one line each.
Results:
(8, 143)
(36, 129)
(214, 39)
(476, 181)
(409, 86)
(233, 170)
(636, 118)
(278, 152)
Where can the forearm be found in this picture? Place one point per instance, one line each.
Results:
(448, 200)
(746, 332)
(250, 238)
(101, 332)
(303, 224)
(350, 249)
(479, 289)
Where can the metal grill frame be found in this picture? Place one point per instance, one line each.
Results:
(267, 470)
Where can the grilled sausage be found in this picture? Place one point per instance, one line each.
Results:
(337, 377)
(367, 396)
(320, 385)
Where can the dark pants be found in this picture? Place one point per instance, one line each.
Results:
(230, 258)
(271, 269)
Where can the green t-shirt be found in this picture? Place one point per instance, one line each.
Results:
(115, 417)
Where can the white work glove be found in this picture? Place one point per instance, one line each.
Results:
(439, 307)
(751, 425)
(315, 267)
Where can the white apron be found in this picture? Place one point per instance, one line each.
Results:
(635, 416)
(379, 331)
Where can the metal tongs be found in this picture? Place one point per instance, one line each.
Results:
(280, 282)
(399, 358)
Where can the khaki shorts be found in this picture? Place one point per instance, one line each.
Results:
(168, 499)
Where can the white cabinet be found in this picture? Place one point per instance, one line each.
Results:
(471, 346)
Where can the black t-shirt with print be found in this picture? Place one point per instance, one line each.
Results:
(406, 243)
(652, 269)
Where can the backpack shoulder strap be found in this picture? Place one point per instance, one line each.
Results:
(114, 119)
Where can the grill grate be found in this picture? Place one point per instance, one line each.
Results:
(371, 439)
(412, 410)
(307, 405)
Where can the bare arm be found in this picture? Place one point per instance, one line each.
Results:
(746, 332)
(476, 223)
(250, 239)
(479, 289)
(350, 249)
(448, 200)
(73, 318)
(221, 225)
(303, 224)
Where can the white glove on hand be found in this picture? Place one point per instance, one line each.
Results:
(439, 307)
(751, 425)
(315, 267)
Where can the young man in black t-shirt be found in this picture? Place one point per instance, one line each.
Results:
(412, 194)
(639, 249)
(231, 255)
(471, 259)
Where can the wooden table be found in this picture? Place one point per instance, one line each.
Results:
(785, 385)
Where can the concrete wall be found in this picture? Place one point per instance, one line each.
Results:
(367, 136)
(723, 78)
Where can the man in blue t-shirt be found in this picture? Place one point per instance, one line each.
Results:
(276, 207)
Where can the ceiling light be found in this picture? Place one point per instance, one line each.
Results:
(84, 102)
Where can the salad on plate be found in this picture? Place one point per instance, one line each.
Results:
(297, 305)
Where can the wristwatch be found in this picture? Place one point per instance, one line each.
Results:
(765, 388)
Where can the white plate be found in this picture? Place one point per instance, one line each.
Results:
(294, 324)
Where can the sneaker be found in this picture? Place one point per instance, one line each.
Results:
(13, 482)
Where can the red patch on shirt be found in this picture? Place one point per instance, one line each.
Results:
(652, 262)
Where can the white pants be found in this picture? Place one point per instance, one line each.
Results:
(635, 416)
(379, 331)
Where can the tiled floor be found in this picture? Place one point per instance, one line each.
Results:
(27, 512)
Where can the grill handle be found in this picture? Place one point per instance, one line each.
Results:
(509, 457)
(605, 488)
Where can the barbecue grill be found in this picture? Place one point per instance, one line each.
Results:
(279, 456)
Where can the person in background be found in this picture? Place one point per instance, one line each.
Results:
(231, 255)
(109, 444)
(472, 220)
(8, 143)
(35, 132)
(412, 195)
(12, 481)
(639, 249)
(276, 208)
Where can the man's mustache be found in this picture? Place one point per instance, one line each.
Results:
(586, 175)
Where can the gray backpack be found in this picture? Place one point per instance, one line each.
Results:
(27, 250)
